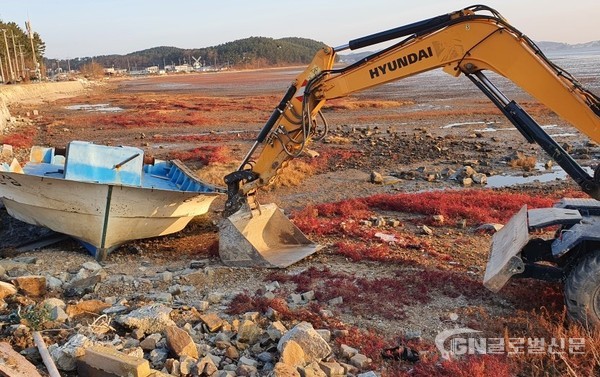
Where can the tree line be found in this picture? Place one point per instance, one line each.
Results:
(21, 51)
(253, 52)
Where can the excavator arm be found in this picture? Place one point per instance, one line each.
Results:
(463, 42)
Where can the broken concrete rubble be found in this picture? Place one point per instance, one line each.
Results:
(117, 333)
(149, 319)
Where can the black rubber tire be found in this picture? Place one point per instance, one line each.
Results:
(582, 290)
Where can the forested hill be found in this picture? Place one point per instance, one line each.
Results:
(245, 53)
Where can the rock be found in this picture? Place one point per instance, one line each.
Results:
(111, 362)
(53, 283)
(57, 314)
(390, 180)
(465, 172)
(14, 364)
(272, 286)
(308, 296)
(92, 266)
(6, 151)
(81, 285)
(32, 285)
(325, 334)
(269, 295)
(348, 351)
(312, 370)
(295, 298)
(332, 368)
(426, 230)
(232, 353)
(360, 361)
(164, 297)
(251, 316)
(196, 264)
(201, 306)
(394, 223)
(265, 357)
(376, 178)
(87, 307)
(172, 366)
(158, 357)
(187, 365)
(438, 219)
(310, 153)
(115, 309)
(312, 344)
(490, 227)
(249, 332)
(66, 355)
(247, 361)
(410, 334)
(215, 297)
(137, 334)
(276, 330)
(246, 370)
(292, 354)
(336, 301)
(479, 178)
(154, 318)
(212, 321)
(349, 369)
(285, 370)
(206, 366)
(7, 290)
(150, 342)
(166, 276)
(180, 342)
(548, 165)
(368, 374)
(467, 181)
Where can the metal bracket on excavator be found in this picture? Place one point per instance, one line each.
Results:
(504, 260)
(510, 245)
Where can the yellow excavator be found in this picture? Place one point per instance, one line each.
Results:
(469, 42)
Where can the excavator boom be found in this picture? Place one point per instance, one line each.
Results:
(463, 42)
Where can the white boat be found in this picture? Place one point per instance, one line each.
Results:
(103, 195)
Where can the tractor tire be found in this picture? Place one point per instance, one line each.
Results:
(582, 291)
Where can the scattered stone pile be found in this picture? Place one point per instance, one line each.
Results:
(465, 175)
(159, 335)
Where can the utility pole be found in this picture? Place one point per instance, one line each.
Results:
(15, 54)
(35, 64)
(12, 74)
(22, 60)
(2, 72)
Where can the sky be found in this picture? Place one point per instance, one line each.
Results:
(90, 28)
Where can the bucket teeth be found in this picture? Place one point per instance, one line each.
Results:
(263, 237)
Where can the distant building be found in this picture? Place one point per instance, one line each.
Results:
(185, 68)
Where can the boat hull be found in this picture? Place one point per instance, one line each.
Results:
(102, 215)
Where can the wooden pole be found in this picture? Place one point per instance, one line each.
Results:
(48, 362)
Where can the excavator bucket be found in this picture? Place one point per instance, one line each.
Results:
(263, 237)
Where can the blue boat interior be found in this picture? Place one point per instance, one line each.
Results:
(114, 165)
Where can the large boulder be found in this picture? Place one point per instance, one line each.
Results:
(314, 346)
